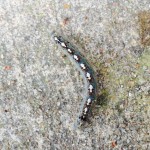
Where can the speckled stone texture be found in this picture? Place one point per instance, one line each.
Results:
(41, 91)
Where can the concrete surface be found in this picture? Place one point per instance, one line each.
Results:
(40, 90)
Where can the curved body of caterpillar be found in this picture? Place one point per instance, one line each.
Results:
(86, 71)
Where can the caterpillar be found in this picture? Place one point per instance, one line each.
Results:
(87, 73)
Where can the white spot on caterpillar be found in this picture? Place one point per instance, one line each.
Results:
(91, 88)
(75, 57)
(83, 66)
(88, 75)
(69, 50)
(85, 110)
(89, 101)
(56, 39)
(83, 117)
(63, 44)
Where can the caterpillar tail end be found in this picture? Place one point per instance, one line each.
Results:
(77, 124)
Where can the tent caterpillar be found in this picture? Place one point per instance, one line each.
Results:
(87, 73)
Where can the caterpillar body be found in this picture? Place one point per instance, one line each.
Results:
(87, 73)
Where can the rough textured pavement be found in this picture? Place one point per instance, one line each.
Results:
(40, 90)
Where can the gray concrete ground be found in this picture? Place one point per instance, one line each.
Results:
(40, 90)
